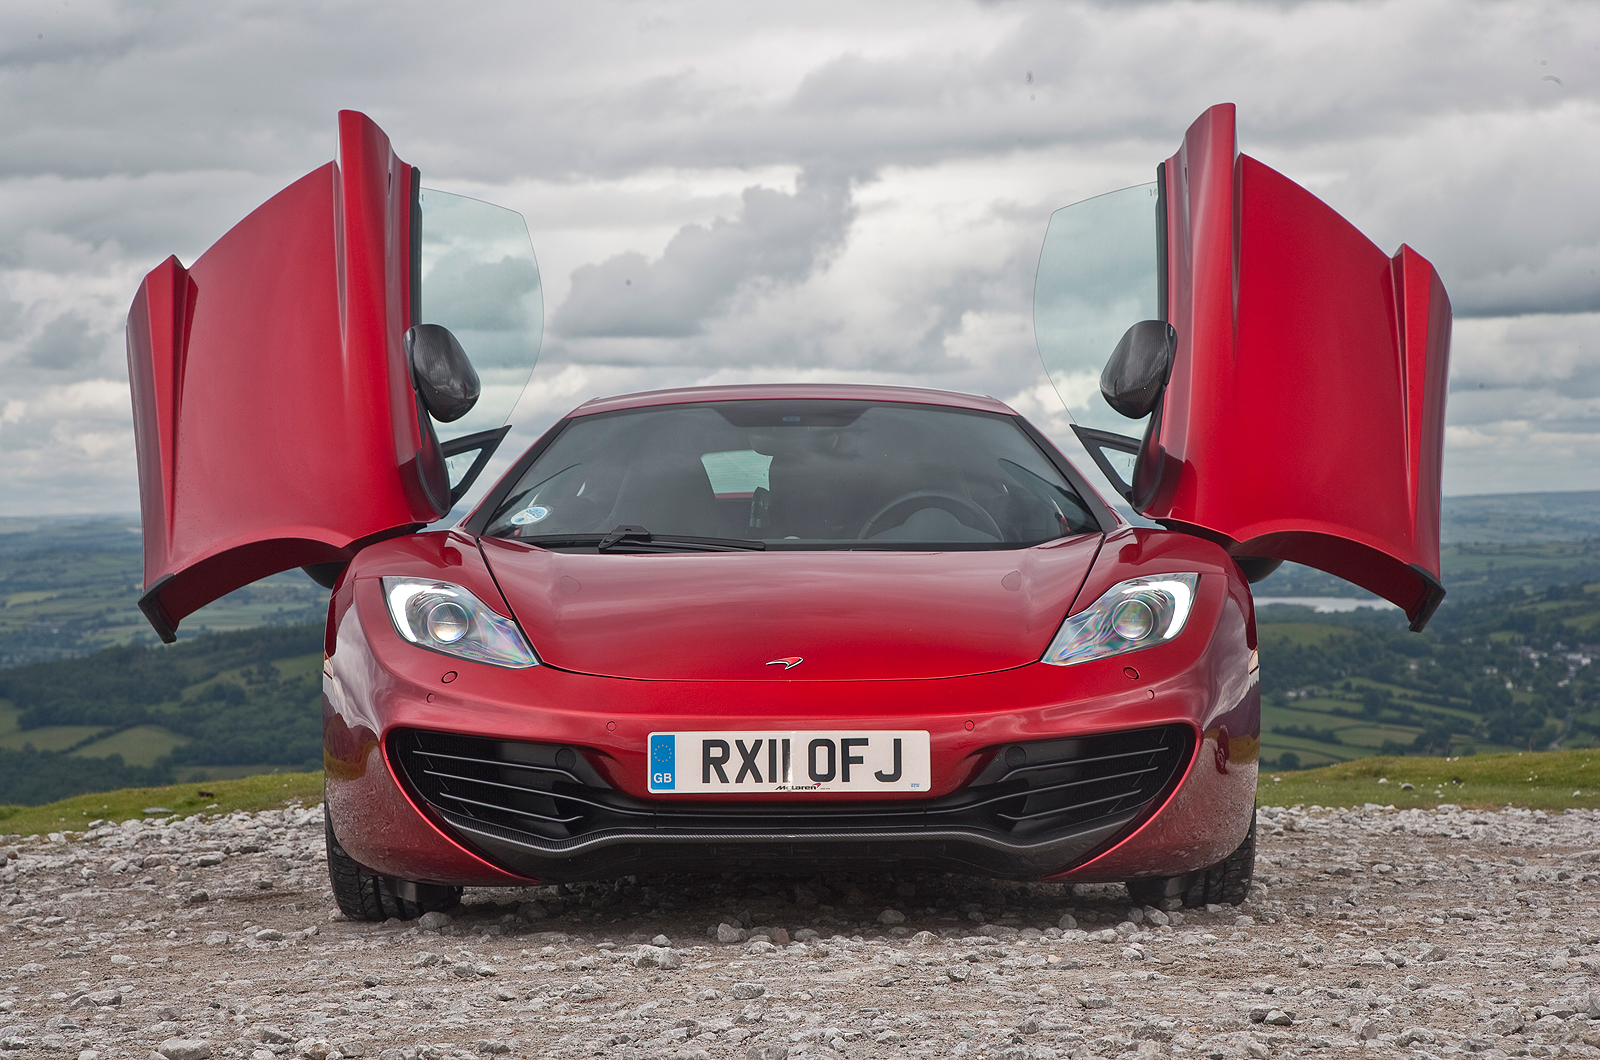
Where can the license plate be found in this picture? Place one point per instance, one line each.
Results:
(746, 762)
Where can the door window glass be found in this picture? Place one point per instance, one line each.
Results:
(480, 280)
(1097, 276)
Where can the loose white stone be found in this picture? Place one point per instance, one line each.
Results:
(185, 1049)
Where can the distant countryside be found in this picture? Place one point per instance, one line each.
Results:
(1507, 672)
(90, 702)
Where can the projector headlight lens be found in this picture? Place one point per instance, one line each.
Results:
(1132, 620)
(447, 622)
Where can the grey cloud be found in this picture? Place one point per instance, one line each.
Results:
(1566, 285)
(134, 130)
(67, 226)
(1546, 406)
(762, 328)
(1005, 289)
(135, 88)
(777, 238)
(1512, 226)
(1497, 365)
(481, 295)
(10, 318)
(567, 96)
(63, 345)
(605, 88)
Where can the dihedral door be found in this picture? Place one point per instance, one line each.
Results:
(1303, 417)
(274, 412)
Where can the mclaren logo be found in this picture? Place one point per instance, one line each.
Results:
(788, 664)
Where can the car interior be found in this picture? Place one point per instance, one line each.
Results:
(801, 473)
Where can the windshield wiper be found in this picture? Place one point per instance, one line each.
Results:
(636, 539)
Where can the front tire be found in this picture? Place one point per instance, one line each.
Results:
(1225, 883)
(365, 895)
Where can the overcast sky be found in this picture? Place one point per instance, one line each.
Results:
(733, 192)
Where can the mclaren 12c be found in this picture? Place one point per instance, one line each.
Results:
(788, 628)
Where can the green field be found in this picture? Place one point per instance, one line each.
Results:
(141, 745)
(1336, 715)
(50, 737)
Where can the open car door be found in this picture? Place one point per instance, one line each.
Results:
(287, 410)
(1290, 374)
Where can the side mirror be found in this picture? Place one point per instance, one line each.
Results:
(1137, 371)
(445, 379)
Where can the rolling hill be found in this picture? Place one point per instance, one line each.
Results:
(219, 705)
(69, 585)
(89, 702)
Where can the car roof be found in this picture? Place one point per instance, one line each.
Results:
(792, 391)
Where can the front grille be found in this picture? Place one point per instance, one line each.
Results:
(1048, 798)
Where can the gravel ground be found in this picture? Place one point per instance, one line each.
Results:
(1370, 932)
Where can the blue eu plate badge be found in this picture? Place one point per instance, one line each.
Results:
(663, 761)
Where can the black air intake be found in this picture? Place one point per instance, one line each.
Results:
(543, 810)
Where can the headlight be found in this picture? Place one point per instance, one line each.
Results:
(446, 618)
(1139, 613)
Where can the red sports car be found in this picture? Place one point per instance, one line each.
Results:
(787, 628)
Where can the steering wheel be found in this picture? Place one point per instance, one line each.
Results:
(918, 499)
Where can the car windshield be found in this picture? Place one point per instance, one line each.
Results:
(795, 474)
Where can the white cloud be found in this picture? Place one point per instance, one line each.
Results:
(631, 136)
(777, 238)
(68, 448)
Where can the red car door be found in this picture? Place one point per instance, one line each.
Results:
(276, 417)
(1301, 416)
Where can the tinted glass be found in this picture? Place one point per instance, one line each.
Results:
(797, 474)
(1097, 276)
(480, 280)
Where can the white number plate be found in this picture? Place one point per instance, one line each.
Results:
(700, 762)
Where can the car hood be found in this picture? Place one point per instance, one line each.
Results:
(734, 616)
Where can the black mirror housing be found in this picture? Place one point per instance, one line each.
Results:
(444, 377)
(1138, 369)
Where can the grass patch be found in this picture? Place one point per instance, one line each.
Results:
(50, 737)
(141, 745)
(1367, 735)
(1547, 780)
(1310, 752)
(196, 774)
(260, 792)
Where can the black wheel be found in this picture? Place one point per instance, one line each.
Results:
(1225, 883)
(364, 895)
